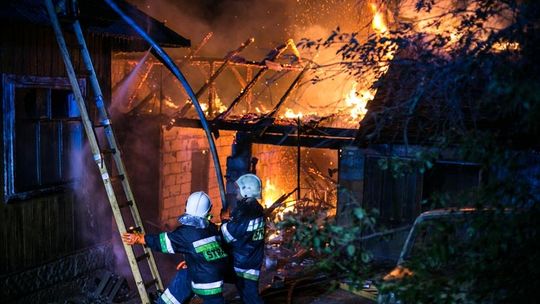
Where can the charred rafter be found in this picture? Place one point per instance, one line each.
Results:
(210, 81)
(270, 116)
(277, 52)
(282, 134)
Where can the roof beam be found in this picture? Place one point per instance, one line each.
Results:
(283, 135)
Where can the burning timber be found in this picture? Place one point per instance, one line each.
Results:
(270, 73)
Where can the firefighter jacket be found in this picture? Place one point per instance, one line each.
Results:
(245, 235)
(203, 252)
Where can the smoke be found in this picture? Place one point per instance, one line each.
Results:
(126, 88)
(270, 22)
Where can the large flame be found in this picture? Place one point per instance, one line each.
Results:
(270, 193)
(357, 101)
(378, 24)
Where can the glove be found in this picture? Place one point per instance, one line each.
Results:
(133, 238)
(181, 265)
(224, 215)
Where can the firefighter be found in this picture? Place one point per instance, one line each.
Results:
(200, 242)
(244, 233)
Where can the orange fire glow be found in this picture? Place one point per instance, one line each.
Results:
(204, 107)
(289, 113)
(219, 105)
(270, 193)
(357, 101)
(169, 103)
(378, 24)
(505, 46)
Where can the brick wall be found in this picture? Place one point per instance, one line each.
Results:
(176, 169)
(276, 164)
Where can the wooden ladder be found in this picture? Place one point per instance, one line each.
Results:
(114, 195)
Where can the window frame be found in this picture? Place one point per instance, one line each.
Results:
(10, 83)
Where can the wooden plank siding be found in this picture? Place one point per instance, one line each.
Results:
(397, 198)
(32, 50)
(36, 231)
(41, 229)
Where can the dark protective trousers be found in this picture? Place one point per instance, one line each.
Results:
(249, 291)
(179, 291)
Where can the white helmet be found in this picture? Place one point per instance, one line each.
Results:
(249, 185)
(198, 204)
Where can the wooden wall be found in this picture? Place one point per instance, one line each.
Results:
(32, 50)
(36, 231)
(44, 228)
(397, 198)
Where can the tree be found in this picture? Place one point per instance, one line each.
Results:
(463, 76)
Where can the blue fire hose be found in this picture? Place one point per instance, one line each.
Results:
(162, 56)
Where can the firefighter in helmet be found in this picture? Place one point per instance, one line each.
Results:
(200, 242)
(244, 233)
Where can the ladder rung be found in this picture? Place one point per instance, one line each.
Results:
(104, 124)
(117, 178)
(142, 257)
(150, 283)
(126, 204)
(108, 151)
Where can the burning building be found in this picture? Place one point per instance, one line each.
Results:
(290, 115)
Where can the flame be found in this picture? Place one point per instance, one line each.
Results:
(292, 46)
(289, 113)
(357, 101)
(169, 103)
(219, 105)
(270, 193)
(204, 107)
(379, 26)
(378, 23)
(505, 46)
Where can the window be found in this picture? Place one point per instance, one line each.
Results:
(43, 134)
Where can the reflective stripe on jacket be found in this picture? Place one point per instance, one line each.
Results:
(245, 235)
(203, 252)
